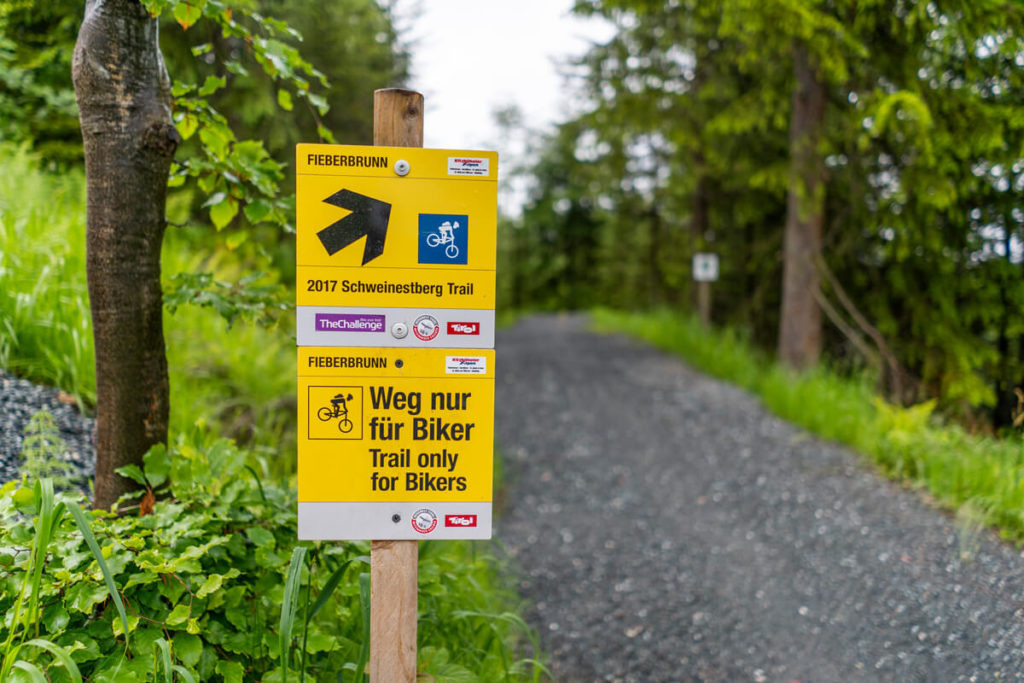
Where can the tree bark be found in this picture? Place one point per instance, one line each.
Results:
(123, 94)
(800, 324)
(698, 224)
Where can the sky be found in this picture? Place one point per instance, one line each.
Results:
(473, 56)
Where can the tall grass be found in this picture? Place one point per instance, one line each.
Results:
(909, 444)
(45, 333)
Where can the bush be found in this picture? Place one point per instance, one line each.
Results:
(214, 586)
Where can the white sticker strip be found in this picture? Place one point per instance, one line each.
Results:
(393, 521)
(444, 328)
(471, 166)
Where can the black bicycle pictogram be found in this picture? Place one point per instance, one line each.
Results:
(338, 409)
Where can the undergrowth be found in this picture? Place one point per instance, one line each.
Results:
(207, 583)
(909, 444)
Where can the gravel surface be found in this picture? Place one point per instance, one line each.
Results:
(668, 528)
(19, 400)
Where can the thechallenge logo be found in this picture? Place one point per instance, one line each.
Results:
(349, 322)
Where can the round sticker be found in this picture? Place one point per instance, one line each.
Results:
(426, 328)
(424, 521)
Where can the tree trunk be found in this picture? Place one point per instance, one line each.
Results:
(698, 221)
(123, 94)
(800, 324)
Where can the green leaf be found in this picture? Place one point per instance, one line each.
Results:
(118, 626)
(260, 537)
(212, 584)
(319, 102)
(216, 137)
(83, 526)
(289, 605)
(231, 671)
(332, 583)
(284, 100)
(84, 596)
(257, 209)
(184, 673)
(221, 214)
(364, 604)
(320, 642)
(236, 238)
(25, 498)
(186, 124)
(211, 85)
(164, 652)
(59, 653)
(34, 674)
(187, 13)
(55, 618)
(157, 465)
(133, 472)
(188, 648)
(207, 182)
(178, 615)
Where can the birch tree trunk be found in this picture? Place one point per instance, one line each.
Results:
(123, 94)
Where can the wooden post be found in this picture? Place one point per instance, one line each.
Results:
(704, 302)
(397, 122)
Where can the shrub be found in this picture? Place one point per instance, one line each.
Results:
(215, 587)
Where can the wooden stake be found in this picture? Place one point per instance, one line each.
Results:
(704, 303)
(394, 565)
(393, 574)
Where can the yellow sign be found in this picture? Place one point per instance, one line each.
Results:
(395, 227)
(410, 430)
(396, 250)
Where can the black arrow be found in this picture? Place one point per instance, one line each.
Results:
(369, 217)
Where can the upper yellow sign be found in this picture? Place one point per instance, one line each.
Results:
(401, 208)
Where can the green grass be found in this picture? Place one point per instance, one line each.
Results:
(959, 470)
(45, 334)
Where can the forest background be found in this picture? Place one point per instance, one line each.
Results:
(894, 126)
(857, 167)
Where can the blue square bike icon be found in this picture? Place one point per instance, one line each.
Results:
(444, 238)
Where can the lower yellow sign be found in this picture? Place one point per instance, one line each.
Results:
(405, 428)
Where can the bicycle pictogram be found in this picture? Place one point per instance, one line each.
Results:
(338, 409)
(445, 235)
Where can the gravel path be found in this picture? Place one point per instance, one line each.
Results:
(19, 401)
(669, 529)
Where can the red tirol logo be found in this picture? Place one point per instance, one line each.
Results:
(463, 328)
(460, 520)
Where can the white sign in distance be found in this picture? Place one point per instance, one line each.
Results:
(705, 267)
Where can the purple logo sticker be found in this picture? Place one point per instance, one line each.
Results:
(349, 322)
